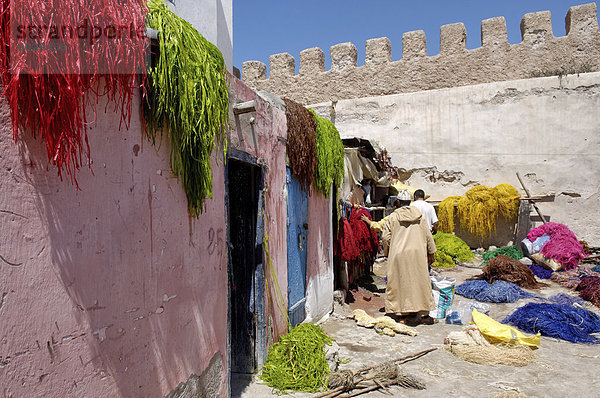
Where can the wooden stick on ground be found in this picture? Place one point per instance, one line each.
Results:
(330, 393)
(335, 392)
(405, 359)
(531, 202)
(359, 392)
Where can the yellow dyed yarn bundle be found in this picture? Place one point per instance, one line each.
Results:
(508, 200)
(479, 209)
(446, 213)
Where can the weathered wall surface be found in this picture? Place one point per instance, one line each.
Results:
(319, 267)
(213, 19)
(115, 291)
(118, 292)
(495, 60)
(448, 140)
(265, 139)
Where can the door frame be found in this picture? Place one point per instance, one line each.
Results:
(259, 274)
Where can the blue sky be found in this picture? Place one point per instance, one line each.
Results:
(265, 27)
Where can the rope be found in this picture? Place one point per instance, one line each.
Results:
(342, 378)
(270, 271)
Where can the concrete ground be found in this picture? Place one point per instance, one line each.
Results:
(561, 369)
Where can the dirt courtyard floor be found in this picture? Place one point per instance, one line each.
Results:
(561, 369)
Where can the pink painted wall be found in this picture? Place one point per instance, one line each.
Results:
(119, 292)
(319, 267)
(262, 141)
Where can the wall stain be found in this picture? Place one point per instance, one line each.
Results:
(151, 232)
(2, 299)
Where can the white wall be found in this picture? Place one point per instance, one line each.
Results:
(319, 267)
(448, 140)
(213, 19)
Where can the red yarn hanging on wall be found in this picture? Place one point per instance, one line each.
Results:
(57, 57)
(366, 238)
(345, 245)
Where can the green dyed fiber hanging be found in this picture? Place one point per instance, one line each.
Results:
(330, 155)
(188, 96)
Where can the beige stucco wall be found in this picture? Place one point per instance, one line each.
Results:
(496, 60)
(449, 140)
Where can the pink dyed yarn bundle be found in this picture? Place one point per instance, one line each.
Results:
(563, 245)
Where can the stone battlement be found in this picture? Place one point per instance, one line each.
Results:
(539, 52)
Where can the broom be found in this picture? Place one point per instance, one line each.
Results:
(382, 375)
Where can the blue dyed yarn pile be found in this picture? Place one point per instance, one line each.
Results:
(541, 272)
(497, 292)
(596, 268)
(564, 322)
(566, 299)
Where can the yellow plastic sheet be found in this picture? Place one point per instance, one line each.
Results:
(497, 332)
(397, 186)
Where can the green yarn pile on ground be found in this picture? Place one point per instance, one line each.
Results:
(509, 251)
(442, 260)
(187, 95)
(330, 155)
(450, 248)
(297, 362)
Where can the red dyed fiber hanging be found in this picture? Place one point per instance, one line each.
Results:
(365, 237)
(356, 243)
(345, 245)
(58, 57)
(356, 240)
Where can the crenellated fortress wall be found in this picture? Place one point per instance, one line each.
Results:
(540, 52)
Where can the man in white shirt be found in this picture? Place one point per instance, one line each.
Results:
(427, 210)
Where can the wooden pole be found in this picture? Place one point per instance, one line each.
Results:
(359, 392)
(531, 202)
(330, 393)
(405, 359)
(335, 392)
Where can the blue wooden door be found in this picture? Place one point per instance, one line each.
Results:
(297, 231)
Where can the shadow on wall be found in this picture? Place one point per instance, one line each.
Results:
(146, 282)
